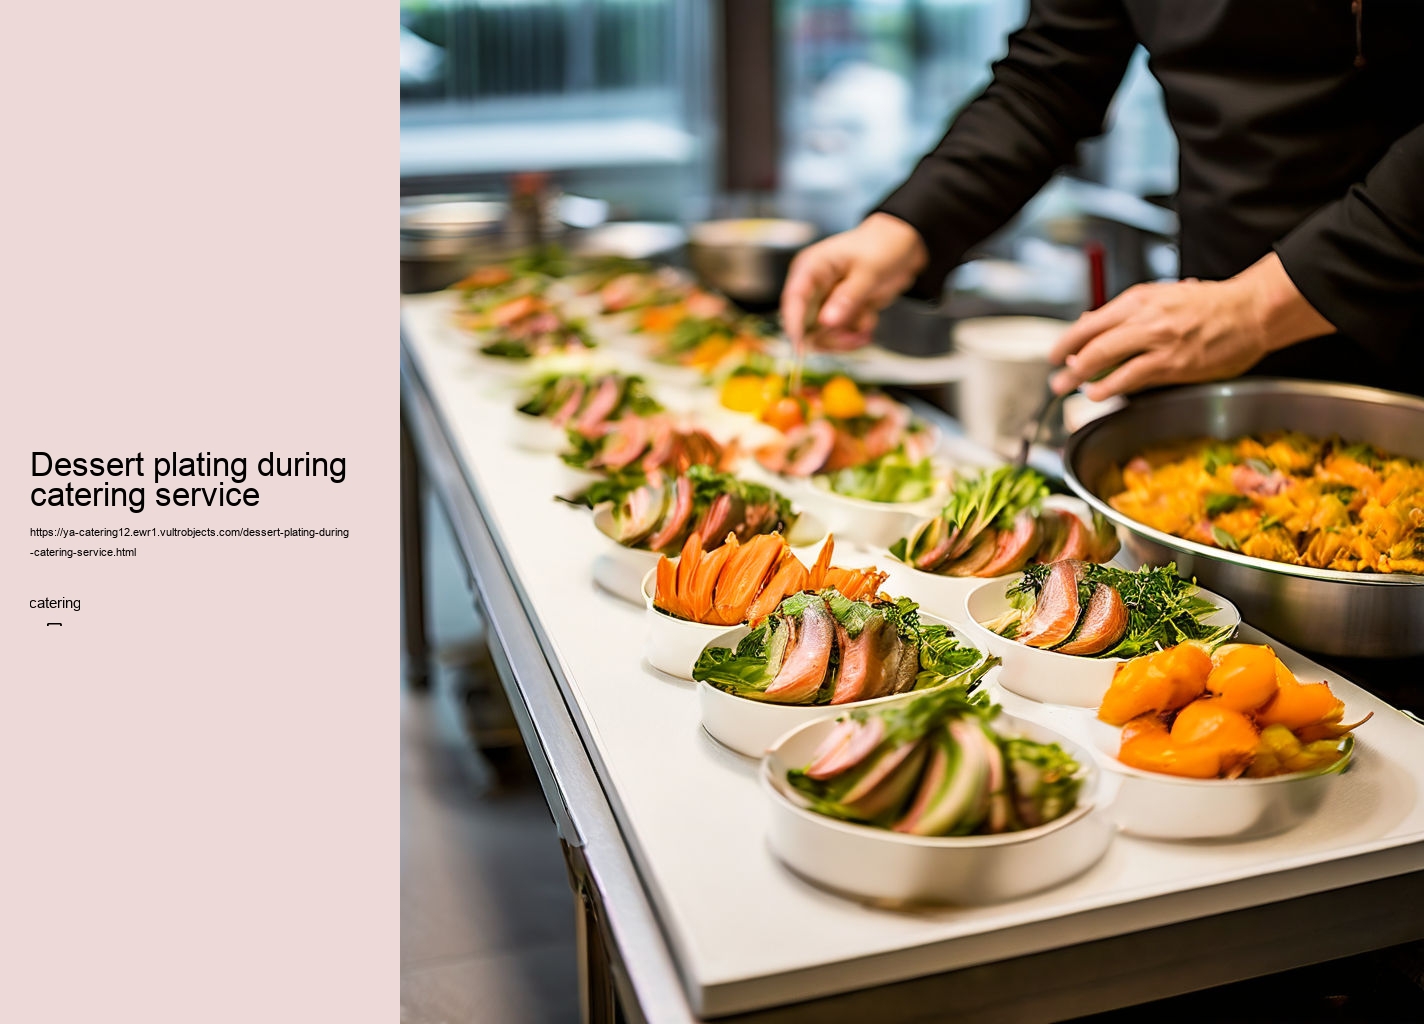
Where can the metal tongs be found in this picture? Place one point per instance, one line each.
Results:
(1097, 284)
(810, 328)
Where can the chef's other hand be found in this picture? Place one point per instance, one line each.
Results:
(1185, 332)
(859, 272)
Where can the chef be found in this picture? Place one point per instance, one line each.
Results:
(1301, 191)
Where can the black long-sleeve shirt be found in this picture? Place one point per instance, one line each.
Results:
(1300, 126)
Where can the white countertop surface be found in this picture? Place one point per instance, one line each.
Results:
(744, 931)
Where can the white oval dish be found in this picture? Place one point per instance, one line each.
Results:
(636, 563)
(1157, 806)
(751, 726)
(890, 868)
(672, 645)
(1048, 676)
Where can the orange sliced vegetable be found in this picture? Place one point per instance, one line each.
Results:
(1244, 678)
(698, 598)
(1210, 724)
(784, 414)
(1299, 705)
(1154, 750)
(842, 399)
(817, 578)
(1158, 682)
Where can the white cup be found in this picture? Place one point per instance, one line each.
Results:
(1006, 373)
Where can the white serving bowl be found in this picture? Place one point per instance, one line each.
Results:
(636, 563)
(1049, 676)
(536, 434)
(876, 524)
(751, 726)
(672, 645)
(890, 868)
(1157, 806)
(945, 595)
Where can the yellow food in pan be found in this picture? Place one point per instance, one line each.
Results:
(1285, 497)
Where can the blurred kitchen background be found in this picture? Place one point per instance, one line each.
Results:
(555, 117)
(680, 110)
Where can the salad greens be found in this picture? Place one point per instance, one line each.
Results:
(894, 477)
(1163, 609)
(935, 765)
(881, 647)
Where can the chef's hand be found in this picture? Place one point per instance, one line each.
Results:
(1185, 332)
(859, 272)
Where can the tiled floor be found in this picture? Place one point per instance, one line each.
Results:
(487, 925)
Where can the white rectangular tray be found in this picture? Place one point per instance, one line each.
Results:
(745, 932)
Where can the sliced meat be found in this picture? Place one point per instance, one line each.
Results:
(662, 438)
(515, 310)
(849, 743)
(808, 447)
(1057, 610)
(937, 539)
(807, 658)
(623, 443)
(600, 405)
(705, 305)
(571, 403)
(902, 666)
(1077, 542)
(675, 522)
(973, 561)
(773, 456)
(1103, 624)
(863, 661)
(1014, 547)
(1052, 532)
(716, 522)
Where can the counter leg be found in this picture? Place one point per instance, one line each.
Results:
(412, 539)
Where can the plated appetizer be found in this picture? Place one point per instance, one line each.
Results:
(833, 426)
(936, 765)
(1284, 497)
(1101, 611)
(996, 523)
(821, 647)
(524, 327)
(1063, 629)
(931, 798)
(662, 513)
(735, 582)
(648, 444)
(587, 403)
(689, 334)
(641, 286)
(895, 478)
(1236, 712)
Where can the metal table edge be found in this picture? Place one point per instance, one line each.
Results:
(551, 727)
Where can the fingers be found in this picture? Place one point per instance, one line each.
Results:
(846, 303)
(812, 273)
(1093, 323)
(1109, 349)
(1145, 371)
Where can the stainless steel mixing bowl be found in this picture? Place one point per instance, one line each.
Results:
(1355, 614)
(747, 260)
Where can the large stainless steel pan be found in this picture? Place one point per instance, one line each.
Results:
(1375, 615)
